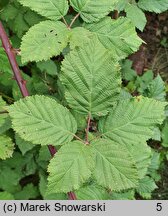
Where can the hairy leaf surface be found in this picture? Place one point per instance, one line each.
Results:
(44, 40)
(41, 120)
(52, 9)
(115, 168)
(118, 36)
(91, 79)
(70, 167)
(92, 10)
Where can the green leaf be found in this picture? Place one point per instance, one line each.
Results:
(23, 145)
(91, 10)
(6, 147)
(156, 6)
(43, 41)
(136, 15)
(165, 135)
(128, 73)
(5, 123)
(131, 123)
(43, 188)
(156, 89)
(128, 195)
(52, 9)
(6, 196)
(133, 120)
(41, 120)
(4, 62)
(92, 192)
(146, 186)
(80, 37)
(91, 78)
(28, 192)
(115, 168)
(118, 36)
(70, 168)
(48, 67)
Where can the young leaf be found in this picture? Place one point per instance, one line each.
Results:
(156, 6)
(41, 120)
(91, 79)
(44, 40)
(52, 9)
(93, 10)
(70, 168)
(115, 168)
(118, 36)
(136, 15)
(6, 147)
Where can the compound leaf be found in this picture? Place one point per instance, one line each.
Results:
(118, 36)
(70, 168)
(44, 40)
(41, 120)
(156, 6)
(6, 147)
(52, 9)
(91, 79)
(92, 10)
(115, 168)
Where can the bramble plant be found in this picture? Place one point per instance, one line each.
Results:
(75, 106)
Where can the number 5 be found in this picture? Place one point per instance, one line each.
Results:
(159, 207)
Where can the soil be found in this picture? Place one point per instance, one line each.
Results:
(154, 54)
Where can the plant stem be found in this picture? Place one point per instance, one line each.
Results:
(65, 22)
(20, 81)
(12, 59)
(87, 130)
(77, 15)
(72, 196)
